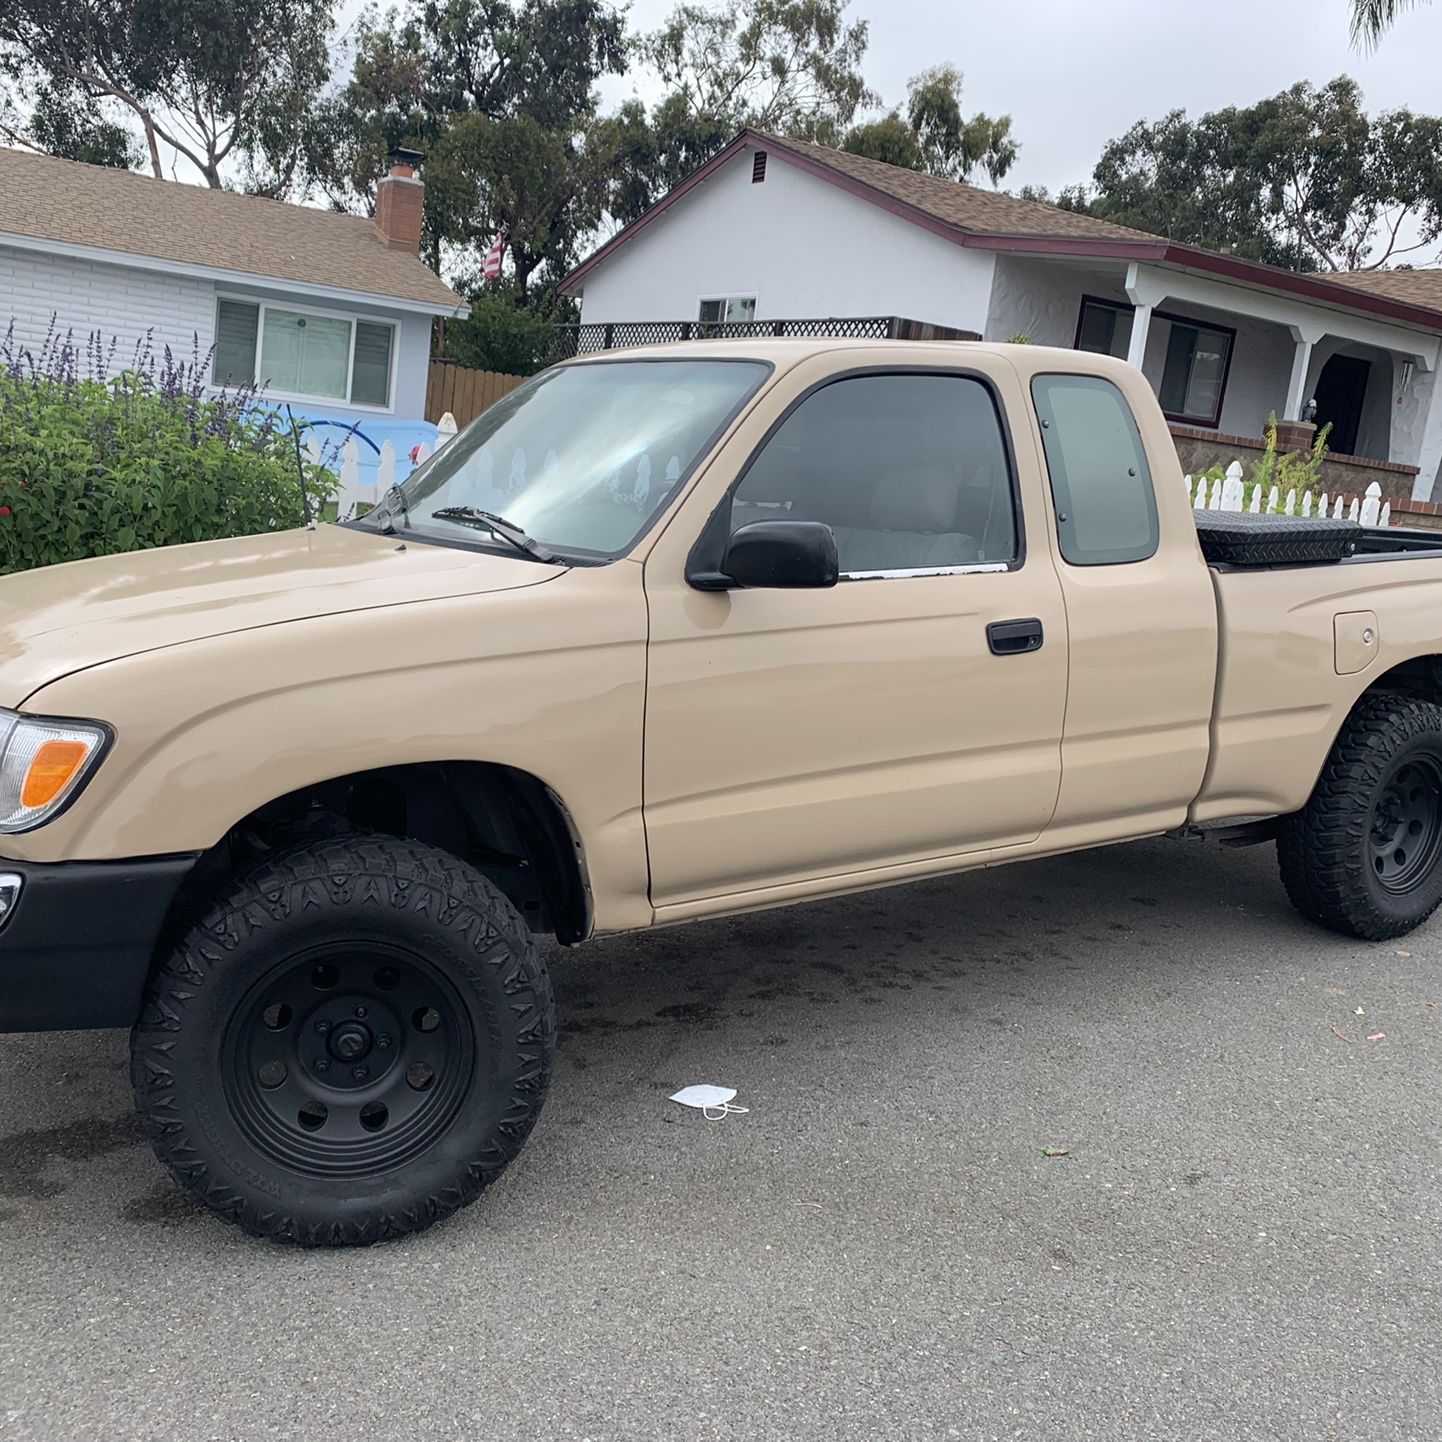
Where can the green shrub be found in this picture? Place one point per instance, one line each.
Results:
(94, 465)
(1298, 470)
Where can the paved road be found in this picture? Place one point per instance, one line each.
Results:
(1242, 1242)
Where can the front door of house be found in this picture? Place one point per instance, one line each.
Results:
(1340, 391)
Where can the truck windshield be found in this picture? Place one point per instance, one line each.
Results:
(582, 458)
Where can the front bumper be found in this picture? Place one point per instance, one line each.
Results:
(78, 937)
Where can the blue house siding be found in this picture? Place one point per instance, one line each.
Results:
(137, 305)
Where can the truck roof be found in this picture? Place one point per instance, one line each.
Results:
(789, 350)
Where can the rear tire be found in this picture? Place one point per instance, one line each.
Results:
(350, 1043)
(1364, 856)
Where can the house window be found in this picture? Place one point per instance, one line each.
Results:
(1104, 327)
(728, 307)
(304, 353)
(1194, 376)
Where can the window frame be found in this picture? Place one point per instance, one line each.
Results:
(352, 316)
(1058, 515)
(1120, 306)
(1214, 421)
(706, 555)
(725, 301)
(1172, 318)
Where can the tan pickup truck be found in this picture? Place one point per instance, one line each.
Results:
(663, 635)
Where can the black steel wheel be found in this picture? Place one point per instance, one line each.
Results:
(349, 1059)
(1364, 856)
(1407, 823)
(352, 1042)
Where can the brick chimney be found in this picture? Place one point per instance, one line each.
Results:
(400, 199)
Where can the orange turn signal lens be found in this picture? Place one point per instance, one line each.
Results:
(52, 770)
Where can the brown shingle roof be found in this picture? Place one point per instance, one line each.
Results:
(89, 205)
(966, 206)
(971, 217)
(1418, 287)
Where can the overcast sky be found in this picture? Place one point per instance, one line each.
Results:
(1075, 73)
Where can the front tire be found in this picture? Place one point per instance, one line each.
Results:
(1364, 856)
(352, 1042)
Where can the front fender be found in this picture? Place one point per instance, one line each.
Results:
(549, 679)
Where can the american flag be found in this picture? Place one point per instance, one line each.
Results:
(491, 266)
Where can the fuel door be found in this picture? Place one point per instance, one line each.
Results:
(1356, 641)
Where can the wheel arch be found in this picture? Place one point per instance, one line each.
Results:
(1420, 676)
(507, 822)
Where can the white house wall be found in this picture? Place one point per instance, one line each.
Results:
(1041, 300)
(802, 246)
(1420, 412)
(178, 311)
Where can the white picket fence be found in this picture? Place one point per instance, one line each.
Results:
(352, 491)
(1228, 494)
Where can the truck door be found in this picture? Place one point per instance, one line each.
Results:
(913, 711)
(1141, 614)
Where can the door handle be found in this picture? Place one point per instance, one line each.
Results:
(1014, 638)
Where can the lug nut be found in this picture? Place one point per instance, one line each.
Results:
(360, 1011)
(360, 1073)
(322, 1064)
(383, 1042)
(322, 1027)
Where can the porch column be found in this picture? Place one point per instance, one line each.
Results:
(1303, 339)
(1141, 324)
(1301, 359)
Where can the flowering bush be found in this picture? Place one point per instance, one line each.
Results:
(96, 460)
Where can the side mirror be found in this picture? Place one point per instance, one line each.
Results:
(779, 554)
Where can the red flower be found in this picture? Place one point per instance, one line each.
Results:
(4, 510)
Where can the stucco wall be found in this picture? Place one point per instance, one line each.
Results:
(1374, 430)
(1425, 424)
(801, 246)
(1042, 300)
(176, 310)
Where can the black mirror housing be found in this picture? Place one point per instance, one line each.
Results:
(789, 555)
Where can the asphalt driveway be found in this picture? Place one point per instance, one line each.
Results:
(1241, 1241)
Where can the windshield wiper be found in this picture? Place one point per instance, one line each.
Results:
(488, 520)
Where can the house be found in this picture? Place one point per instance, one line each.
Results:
(331, 312)
(773, 228)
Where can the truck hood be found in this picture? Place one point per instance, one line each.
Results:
(62, 619)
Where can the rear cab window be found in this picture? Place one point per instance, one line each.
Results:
(1101, 485)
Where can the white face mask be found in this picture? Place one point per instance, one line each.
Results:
(714, 1103)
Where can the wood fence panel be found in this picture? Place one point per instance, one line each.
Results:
(464, 392)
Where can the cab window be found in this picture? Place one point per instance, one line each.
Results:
(909, 471)
(1106, 512)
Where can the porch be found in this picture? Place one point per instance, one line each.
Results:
(1223, 358)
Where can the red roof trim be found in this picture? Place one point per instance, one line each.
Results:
(1158, 250)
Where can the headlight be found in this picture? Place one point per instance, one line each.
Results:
(44, 761)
